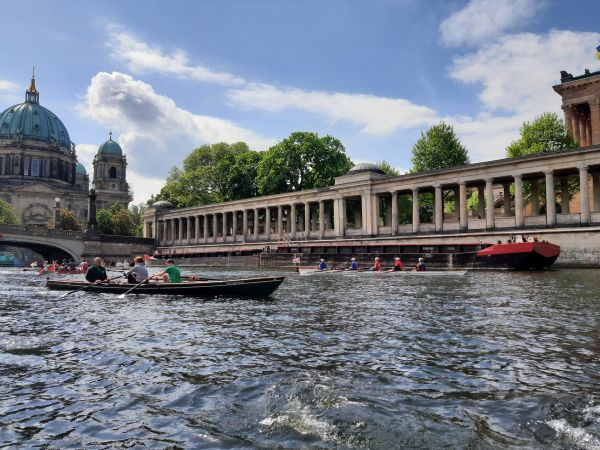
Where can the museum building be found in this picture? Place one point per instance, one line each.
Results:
(39, 169)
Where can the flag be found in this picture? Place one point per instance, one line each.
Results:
(598, 52)
(147, 257)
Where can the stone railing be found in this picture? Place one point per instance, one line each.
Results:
(40, 231)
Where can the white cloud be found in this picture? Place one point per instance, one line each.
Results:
(378, 116)
(484, 19)
(140, 57)
(143, 186)
(154, 133)
(518, 71)
(6, 85)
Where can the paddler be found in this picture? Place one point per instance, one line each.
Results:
(377, 265)
(171, 274)
(138, 272)
(322, 264)
(97, 273)
(353, 264)
(398, 267)
(421, 266)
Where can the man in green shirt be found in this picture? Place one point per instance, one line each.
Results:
(97, 273)
(171, 274)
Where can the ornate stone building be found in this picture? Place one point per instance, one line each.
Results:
(39, 167)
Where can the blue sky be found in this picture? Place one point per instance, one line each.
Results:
(167, 77)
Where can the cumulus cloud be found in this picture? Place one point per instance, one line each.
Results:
(154, 132)
(481, 20)
(378, 116)
(140, 57)
(518, 71)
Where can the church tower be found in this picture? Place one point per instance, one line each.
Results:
(110, 182)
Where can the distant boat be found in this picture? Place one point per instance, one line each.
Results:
(258, 287)
(315, 271)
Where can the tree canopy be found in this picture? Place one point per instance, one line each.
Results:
(438, 148)
(387, 168)
(7, 214)
(545, 134)
(120, 221)
(301, 161)
(212, 173)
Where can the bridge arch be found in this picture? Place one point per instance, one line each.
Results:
(50, 244)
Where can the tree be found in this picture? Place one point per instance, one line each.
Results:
(212, 173)
(123, 223)
(68, 221)
(438, 148)
(545, 134)
(137, 214)
(7, 214)
(104, 221)
(302, 161)
(388, 169)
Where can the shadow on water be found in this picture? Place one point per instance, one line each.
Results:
(485, 360)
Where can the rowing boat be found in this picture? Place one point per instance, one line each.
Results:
(246, 287)
(313, 271)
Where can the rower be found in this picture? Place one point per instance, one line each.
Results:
(377, 264)
(322, 264)
(398, 265)
(97, 273)
(353, 264)
(138, 272)
(421, 266)
(171, 274)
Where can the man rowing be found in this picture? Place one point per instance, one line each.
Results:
(377, 265)
(421, 266)
(398, 267)
(97, 273)
(322, 264)
(353, 264)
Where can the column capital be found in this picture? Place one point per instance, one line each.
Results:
(488, 180)
(549, 172)
(583, 167)
(462, 183)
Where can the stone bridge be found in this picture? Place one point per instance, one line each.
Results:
(75, 245)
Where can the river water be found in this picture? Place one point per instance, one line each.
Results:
(484, 360)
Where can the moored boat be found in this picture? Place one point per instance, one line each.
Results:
(315, 271)
(256, 287)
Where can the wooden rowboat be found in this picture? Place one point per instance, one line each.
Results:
(313, 271)
(245, 287)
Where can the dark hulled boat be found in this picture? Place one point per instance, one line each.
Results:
(245, 287)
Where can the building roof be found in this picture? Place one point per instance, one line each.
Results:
(110, 147)
(80, 169)
(31, 121)
(365, 167)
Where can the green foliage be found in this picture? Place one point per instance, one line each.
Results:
(137, 215)
(388, 169)
(212, 173)
(119, 220)
(123, 223)
(545, 134)
(7, 214)
(68, 221)
(104, 221)
(438, 148)
(301, 161)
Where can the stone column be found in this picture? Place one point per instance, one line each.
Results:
(365, 217)
(342, 218)
(205, 226)
(375, 214)
(480, 202)
(584, 197)
(293, 221)
(306, 220)
(535, 197)
(255, 224)
(181, 230)
(197, 229)
(489, 204)
(215, 227)
(575, 126)
(279, 222)
(321, 219)
(506, 198)
(595, 120)
(244, 225)
(567, 110)
(462, 192)
(234, 226)
(582, 130)
(268, 223)
(394, 213)
(224, 226)
(564, 195)
(550, 200)
(415, 210)
(596, 191)
(438, 207)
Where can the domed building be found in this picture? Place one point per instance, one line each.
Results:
(38, 165)
(110, 175)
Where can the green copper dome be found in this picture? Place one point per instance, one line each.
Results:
(110, 147)
(31, 121)
(80, 169)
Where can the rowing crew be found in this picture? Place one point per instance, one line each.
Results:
(137, 274)
(377, 267)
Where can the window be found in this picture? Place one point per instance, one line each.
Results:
(26, 166)
(113, 172)
(35, 167)
(1, 166)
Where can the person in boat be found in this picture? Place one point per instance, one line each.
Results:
(97, 273)
(421, 266)
(353, 264)
(322, 264)
(138, 272)
(377, 265)
(84, 266)
(171, 274)
(398, 267)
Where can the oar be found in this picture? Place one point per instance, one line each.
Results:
(136, 286)
(89, 285)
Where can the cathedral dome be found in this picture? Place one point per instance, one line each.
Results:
(110, 147)
(80, 169)
(31, 121)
